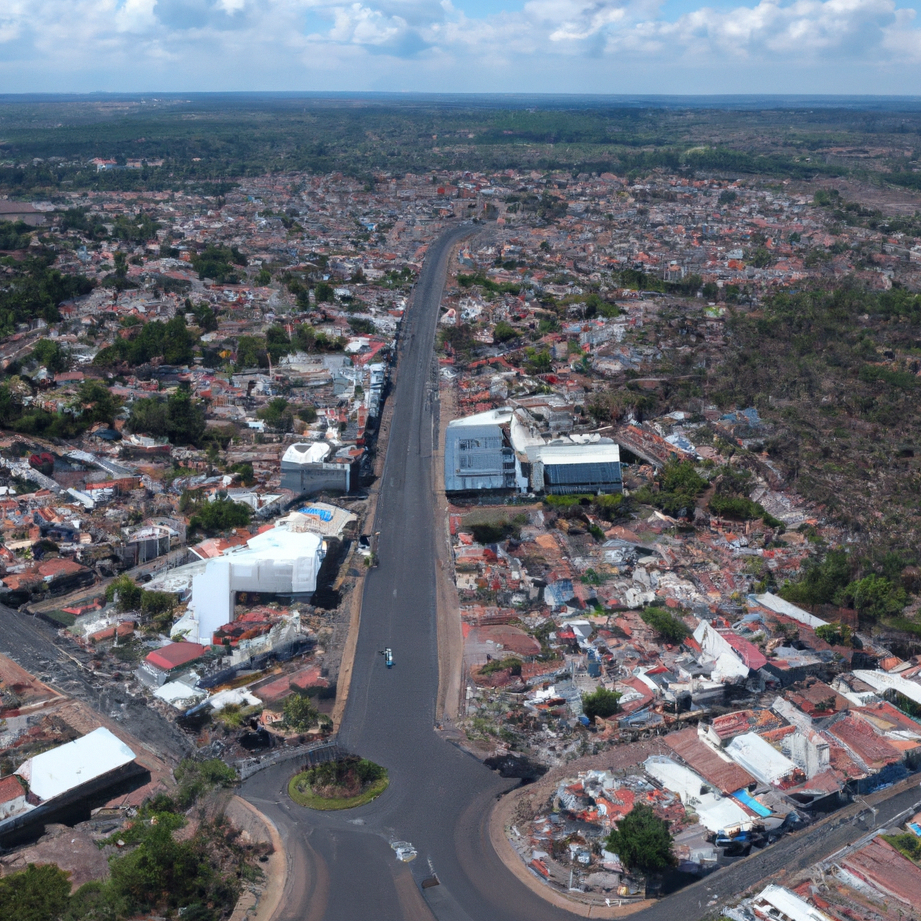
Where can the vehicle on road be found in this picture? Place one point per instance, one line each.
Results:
(388, 657)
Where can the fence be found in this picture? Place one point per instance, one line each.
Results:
(313, 753)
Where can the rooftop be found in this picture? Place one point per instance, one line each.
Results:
(70, 766)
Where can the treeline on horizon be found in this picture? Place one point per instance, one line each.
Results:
(209, 144)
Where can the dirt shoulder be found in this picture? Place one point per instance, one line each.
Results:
(262, 901)
(450, 635)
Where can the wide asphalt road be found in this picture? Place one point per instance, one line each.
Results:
(439, 799)
(437, 793)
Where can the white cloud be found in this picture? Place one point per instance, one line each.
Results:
(544, 46)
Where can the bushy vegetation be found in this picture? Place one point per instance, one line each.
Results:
(220, 514)
(487, 284)
(299, 712)
(833, 369)
(155, 873)
(158, 607)
(496, 532)
(601, 702)
(676, 488)
(642, 841)
(350, 781)
(509, 663)
(178, 418)
(872, 588)
(219, 263)
(834, 634)
(171, 340)
(907, 844)
(671, 628)
(35, 291)
(93, 403)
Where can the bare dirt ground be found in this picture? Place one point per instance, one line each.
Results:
(262, 900)
(450, 637)
(72, 849)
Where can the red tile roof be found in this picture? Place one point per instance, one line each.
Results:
(10, 789)
(174, 655)
(881, 865)
(725, 775)
(860, 738)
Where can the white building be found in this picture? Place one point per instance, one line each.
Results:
(281, 561)
(75, 764)
(760, 758)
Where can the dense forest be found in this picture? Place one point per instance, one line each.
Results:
(209, 140)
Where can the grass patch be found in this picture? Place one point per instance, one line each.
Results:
(62, 617)
(342, 784)
(903, 624)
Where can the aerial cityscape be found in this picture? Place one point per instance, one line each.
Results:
(459, 507)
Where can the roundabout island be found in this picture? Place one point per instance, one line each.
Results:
(342, 784)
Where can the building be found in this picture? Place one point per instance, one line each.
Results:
(162, 664)
(565, 468)
(479, 455)
(63, 777)
(505, 449)
(775, 903)
(305, 470)
(284, 560)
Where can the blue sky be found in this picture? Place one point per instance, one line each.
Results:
(540, 46)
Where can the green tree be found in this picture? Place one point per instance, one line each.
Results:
(323, 292)
(196, 778)
(220, 514)
(96, 403)
(669, 627)
(538, 361)
(277, 342)
(834, 634)
(679, 486)
(178, 418)
(874, 597)
(642, 841)
(50, 354)
(601, 702)
(205, 317)
(218, 263)
(251, 352)
(821, 581)
(125, 592)
(38, 893)
(504, 332)
(299, 713)
(277, 415)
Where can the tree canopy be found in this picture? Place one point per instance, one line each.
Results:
(220, 514)
(642, 841)
(672, 629)
(178, 418)
(601, 702)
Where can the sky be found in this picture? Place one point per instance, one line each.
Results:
(469, 46)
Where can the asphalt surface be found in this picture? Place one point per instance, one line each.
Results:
(61, 664)
(439, 800)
